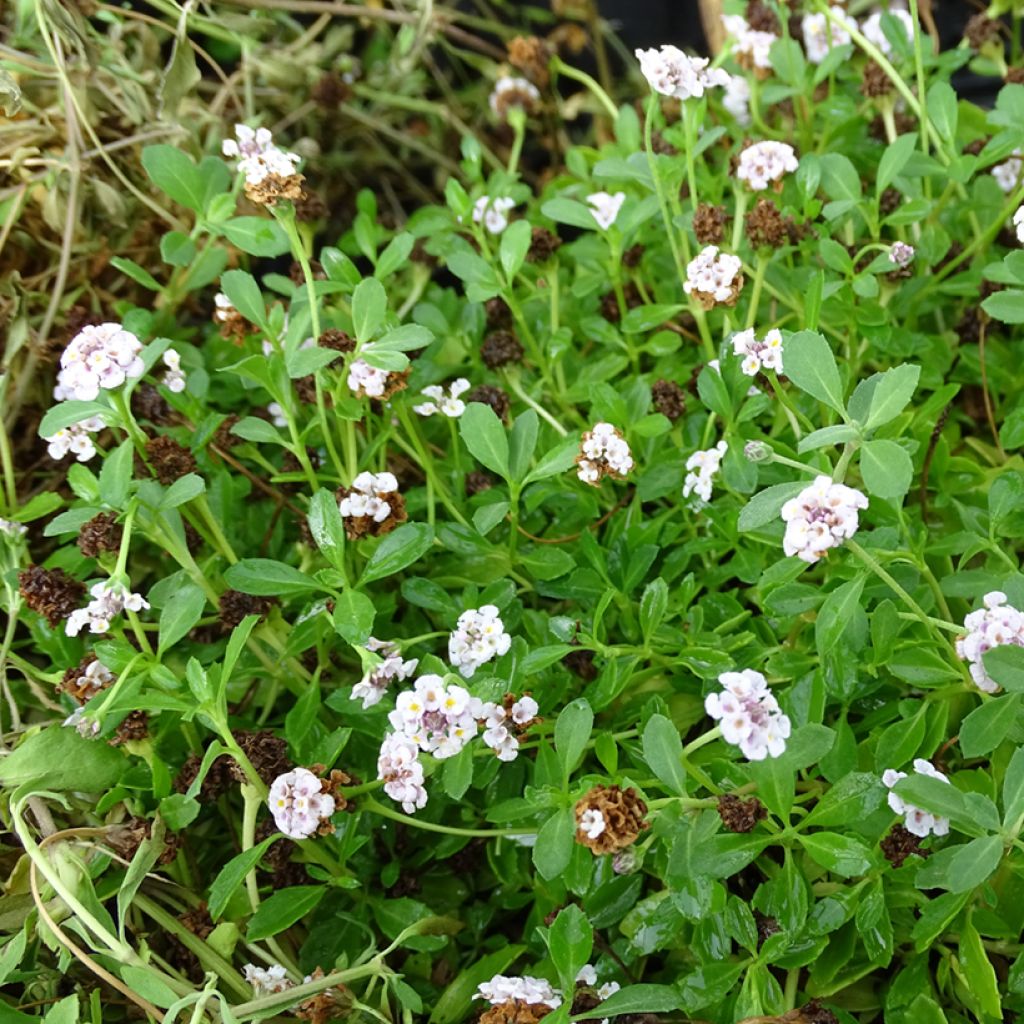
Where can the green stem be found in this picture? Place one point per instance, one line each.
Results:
(374, 807)
(559, 66)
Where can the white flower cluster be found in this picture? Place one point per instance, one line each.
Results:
(901, 254)
(371, 688)
(493, 213)
(108, 600)
(509, 92)
(497, 734)
(99, 356)
(604, 207)
(258, 157)
(399, 767)
(603, 452)
(299, 804)
(919, 823)
(174, 378)
(96, 677)
(1018, 223)
(438, 718)
(751, 47)
(820, 517)
(592, 823)
(76, 439)
(737, 99)
(479, 636)
(267, 981)
(671, 72)
(766, 163)
(12, 529)
(86, 727)
(450, 405)
(533, 991)
(368, 497)
(874, 33)
(821, 35)
(713, 274)
(996, 624)
(701, 469)
(588, 976)
(366, 380)
(223, 310)
(1007, 174)
(763, 354)
(749, 714)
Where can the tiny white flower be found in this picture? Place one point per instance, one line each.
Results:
(822, 35)
(267, 981)
(671, 72)
(592, 823)
(872, 28)
(493, 212)
(701, 469)
(605, 207)
(99, 357)
(257, 156)
(821, 517)
(901, 254)
(749, 715)
(603, 452)
(920, 823)
(766, 163)
(479, 636)
(450, 404)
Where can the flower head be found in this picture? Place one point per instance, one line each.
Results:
(74, 439)
(372, 505)
(996, 624)
(504, 723)
(605, 207)
(12, 529)
(299, 804)
(267, 981)
(766, 163)
(399, 767)
(822, 35)
(764, 354)
(513, 92)
(751, 47)
(1007, 174)
(901, 254)
(820, 517)
(259, 159)
(603, 452)
(920, 823)
(368, 381)
(99, 356)
(371, 688)
(493, 213)
(701, 469)
(528, 990)
(108, 601)
(714, 277)
(749, 714)
(174, 378)
(671, 72)
(450, 405)
(479, 636)
(736, 99)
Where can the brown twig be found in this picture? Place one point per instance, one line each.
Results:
(926, 468)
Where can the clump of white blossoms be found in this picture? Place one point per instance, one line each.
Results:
(502, 724)
(671, 72)
(439, 718)
(513, 92)
(996, 624)
(822, 35)
(603, 452)
(95, 677)
(751, 47)
(701, 469)
(872, 29)
(75, 439)
(450, 405)
(737, 99)
(919, 823)
(372, 687)
(13, 529)
(591, 823)
(368, 498)
(820, 517)
(479, 636)
(99, 356)
(368, 381)
(714, 277)
(493, 213)
(266, 981)
(604, 207)
(299, 804)
(532, 991)
(763, 354)
(1018, 223)
(1007, 174)
(766, 163)
(257, 156)
(749, 715)
(108, 601)
(174, 377)
(399, 768)
(587, 975)
(901, 254)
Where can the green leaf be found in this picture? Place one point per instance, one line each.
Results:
(941, 107)
(59, 759)
(522, 443)
(838, 610)
(988, 725)
(353, 616)
(515, 243)
(185, 488)
(556, 460)
(487, 517)
(258, 236)
(553, 849)
(65, 1011)
(138, 274)
(842, 855)
(301, 362)
(406, 338)
(1006, 306)
(967, 812)
(638, 999)
(252, 428)
(268, 578)
(485, 438)
(663, 751)
(327, 526)
(974, 862)
(811, 366)
(569, 211)
(838, 433)
(458, 773)
(570, 940)
(369, 307)
(181, 612)
(177, 249)
(282, 909)
(766, 506)
(886, 468)
(852, 798)
(230, 877)
(397, 551)
(979, 974)
(176, 174)
(244, 293)
(394, 255)
(1005, 664)
(650, 317)
(893, 160)
(64, 414)
(1013, 789)
(116, 475)
(572, 731)
(893, 391)
(149, 986)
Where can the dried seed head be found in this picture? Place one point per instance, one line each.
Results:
(709, 223)
(217, 781)
(101, 533)
(133, 728)
(275, 187)
(761, 18)
(609, 818)
(981, 29)
(901, 843)
(169, 459)
(330, 90)
(310, 206)
(501, 348)
(740, 815)
(875, 82)
(889, 200)
(487, 394)
(531, 56)
(581, 663)
(766, 227)
(514, 1011)
(632, 256)
(499, 316)
(1015, 76)
(267, 753)
(148, 404)
(478, 481)
(669, 399)
(337, 340)
(235, 606)
(50, 592)
(543, 245)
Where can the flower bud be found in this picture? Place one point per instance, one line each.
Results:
(758, 451)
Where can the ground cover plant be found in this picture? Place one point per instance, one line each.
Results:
(584, 589)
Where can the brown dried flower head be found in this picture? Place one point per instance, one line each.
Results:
(514, 1011)
(275, 187)
(609, 818)
(501, 348)
(531, 56)
(669, 399)
(50, 592)
(169, 459)
(101, 533)
(740, 815)
(709, 223)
